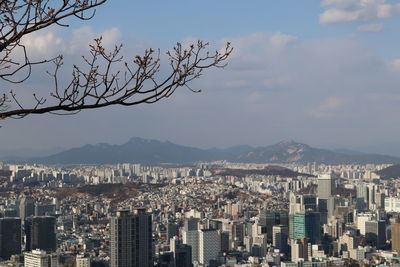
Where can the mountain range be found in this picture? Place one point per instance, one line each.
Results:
(293, 152)
(145, 151)
(390, 172)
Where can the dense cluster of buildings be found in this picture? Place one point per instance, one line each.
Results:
(192, 216)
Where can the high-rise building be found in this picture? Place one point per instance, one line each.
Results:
(82, 261)
(39, 258)
(380, 200)
(183, 256)
(209, 245)
(182, 253)
(371, 196)
(280, 234)
(366, 195)
(225, 244)
(238, 232)
(375, 233)
(10, 237)
(191, 224)
(307, 225)
(332, 203)
(205, 244)
(215, 224)
(326, 185)
(396, 236)
(191, 238)
(302, 203)
(44, 209)
(362, 218)
(172, 230)
(259, 245)
(26, 207)
(300, 250)
(10, 212)
(131, 239)
(40, 233)
(392, 204)
(335, 227)
(270, 218)
(165, 258)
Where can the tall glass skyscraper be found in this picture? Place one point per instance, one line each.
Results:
(307, 224)
(41, 233)
(10, 237)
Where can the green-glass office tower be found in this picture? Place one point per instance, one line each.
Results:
(307, 224)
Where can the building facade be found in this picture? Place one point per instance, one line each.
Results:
(40, 233)
(131, 239)
(39, 258)
(209, 245)
(10, 237)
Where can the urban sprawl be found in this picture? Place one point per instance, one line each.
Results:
(205, 214)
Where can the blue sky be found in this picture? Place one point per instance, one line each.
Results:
(171, 20)
(323, 72)
(168, 21)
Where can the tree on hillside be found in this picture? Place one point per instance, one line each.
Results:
(103, 78)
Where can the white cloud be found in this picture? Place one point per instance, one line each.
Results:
(328, 108)
(44, 45)
(394, 64)
(269, 40)
(282, 40)
(341, 3)
(376, 27)
(307, 82)
(333, 15)
(41, 44)
(82, 37)
(339, 11)
(111, 37)
(297, 65)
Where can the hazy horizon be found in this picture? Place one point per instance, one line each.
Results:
(390, 149)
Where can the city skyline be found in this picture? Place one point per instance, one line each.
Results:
(138, 215)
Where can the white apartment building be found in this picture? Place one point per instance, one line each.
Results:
(392, 204)
(209, 245)
(82, 261)
(362, 218)
(206, 244)
(191, 238)
(39, 258)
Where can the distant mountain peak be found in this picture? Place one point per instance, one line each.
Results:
(102, 145)
(287, 142)
(148, 151)
(290, 144)
(137, 139)
(290, 151)
(142, 140)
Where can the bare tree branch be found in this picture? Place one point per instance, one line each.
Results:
(105, 79)
(19, 18)
(129, 84)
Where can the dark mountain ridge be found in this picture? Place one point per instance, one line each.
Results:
(293, 152)
(145, 151)
(390, 172)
